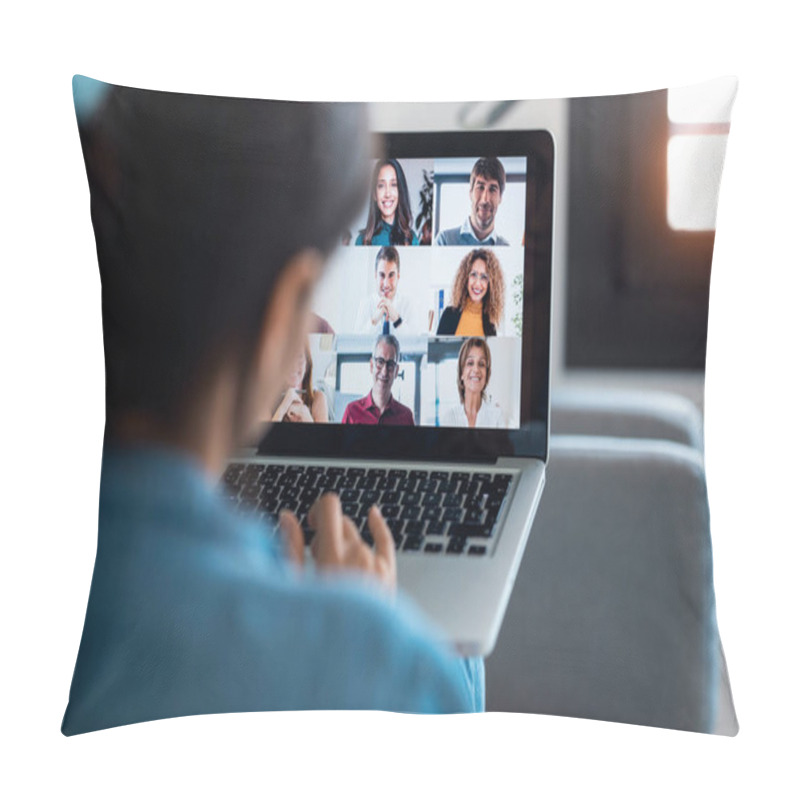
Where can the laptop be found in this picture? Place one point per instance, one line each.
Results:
(449, 436)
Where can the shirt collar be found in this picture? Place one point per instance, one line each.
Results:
(467, 229)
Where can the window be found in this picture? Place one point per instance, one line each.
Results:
(699, 122)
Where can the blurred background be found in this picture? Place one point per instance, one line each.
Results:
(637, 180)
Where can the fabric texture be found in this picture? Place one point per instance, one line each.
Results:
(194, 610)
(409, 324)
(489, 416)
(365, 412)
(448, 323)
(613, 613)
(465, 236)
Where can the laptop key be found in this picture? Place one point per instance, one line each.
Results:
(451, 515)
(350, 509)
(476, 550)
(433, 547)
(412, 543)
(414, 527)
(436, 528)
(410, 513)
(470, 529)
(456, 544)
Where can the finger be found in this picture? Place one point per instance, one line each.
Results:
(325, 517)
(350, 531)
(384, 544)
(292, 537)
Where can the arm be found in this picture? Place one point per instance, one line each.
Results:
(319, 407)
(410, 671)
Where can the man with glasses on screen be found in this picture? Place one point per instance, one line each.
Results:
(379, 407)
(487, 183)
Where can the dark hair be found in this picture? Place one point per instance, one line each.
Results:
(198, 203)
(463, 353)
(389, 254)
(401, 232)
(489, 168)
(307, 381)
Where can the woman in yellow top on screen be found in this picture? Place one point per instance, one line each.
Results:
(389, 220)
(478, 295)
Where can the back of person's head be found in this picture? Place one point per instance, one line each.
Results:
(491, 169)
(198, 203)
(388, 254)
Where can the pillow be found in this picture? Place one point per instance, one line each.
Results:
(193, 194)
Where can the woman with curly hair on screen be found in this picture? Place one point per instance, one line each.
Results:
(478, 297)
(389, 220)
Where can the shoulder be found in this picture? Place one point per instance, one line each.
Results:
(453, 416)
(448, 321)
(448, 236)
(403, 410)
(495, 416)
(360, 238)
(319, 404)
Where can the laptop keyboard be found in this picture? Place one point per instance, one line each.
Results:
(428, 511)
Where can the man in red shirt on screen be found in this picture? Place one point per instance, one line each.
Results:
(379, 407)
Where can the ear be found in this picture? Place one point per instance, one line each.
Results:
(283, 333)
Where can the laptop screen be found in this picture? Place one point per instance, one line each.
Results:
(431, 324)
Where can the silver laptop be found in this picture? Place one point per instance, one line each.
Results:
(425, 382)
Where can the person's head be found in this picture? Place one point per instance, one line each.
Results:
(301, 375)
(387, 272)
(474, 367)
(385, 362)
(207, 269)
(480, 279)
(390, 204)
(487, 183)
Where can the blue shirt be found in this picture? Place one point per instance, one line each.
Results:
(194, 610)
(465, 235)
(382, 237)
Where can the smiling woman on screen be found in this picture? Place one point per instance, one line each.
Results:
(389, 220)
(477, 299)
(474, 371)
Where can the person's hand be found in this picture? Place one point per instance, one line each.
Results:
(298, 411)
(337, 544)
(379, 315)
(290, 396)
(386, 306)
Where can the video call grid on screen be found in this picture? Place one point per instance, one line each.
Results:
(403, 280)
